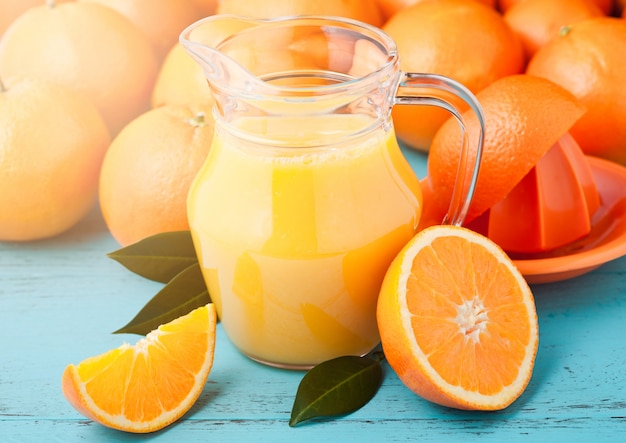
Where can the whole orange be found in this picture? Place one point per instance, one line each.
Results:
(524, 117)
(148, 169)
(465, 40)
(161, 20)
(52, 141)
(536, 22)
(588, 60)
(89, 47)
(364, 10)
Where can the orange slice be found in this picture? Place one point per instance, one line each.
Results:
(145, 387)
(457, 320)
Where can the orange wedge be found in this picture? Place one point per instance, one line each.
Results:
(145, 387)
(457, 320)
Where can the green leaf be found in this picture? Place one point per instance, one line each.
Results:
(181, 295)
(159, 257)
(338, 386)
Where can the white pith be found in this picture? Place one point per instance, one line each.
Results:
(472, 318)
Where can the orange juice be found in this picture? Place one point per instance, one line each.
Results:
(294, 238)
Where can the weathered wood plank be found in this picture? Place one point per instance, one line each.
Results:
(61, 298)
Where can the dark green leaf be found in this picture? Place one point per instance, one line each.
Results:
(181, 295)
(159, 257)
(338, 386)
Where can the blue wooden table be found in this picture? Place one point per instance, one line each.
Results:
(60, 299)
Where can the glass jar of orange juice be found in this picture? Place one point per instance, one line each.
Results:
(305, 197)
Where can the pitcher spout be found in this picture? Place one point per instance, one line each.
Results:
(305, 66)
(202, 38)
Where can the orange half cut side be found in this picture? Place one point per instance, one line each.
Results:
(458, 321)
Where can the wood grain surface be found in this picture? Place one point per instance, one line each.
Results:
(60, 299)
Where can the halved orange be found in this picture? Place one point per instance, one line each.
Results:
(145, 387)
(457, 320)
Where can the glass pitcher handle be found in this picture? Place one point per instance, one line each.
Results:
(437, 90)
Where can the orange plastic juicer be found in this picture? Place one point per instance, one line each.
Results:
(550, 207)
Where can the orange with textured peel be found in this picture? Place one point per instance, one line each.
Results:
(457, 320)
(148, 169)
(464, 40)
(536, 22)
(587, 58)
(524, 117)
(145, 387)
(52, 142)
(86, 46)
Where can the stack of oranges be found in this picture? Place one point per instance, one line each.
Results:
(98, 102)
(110, 52)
